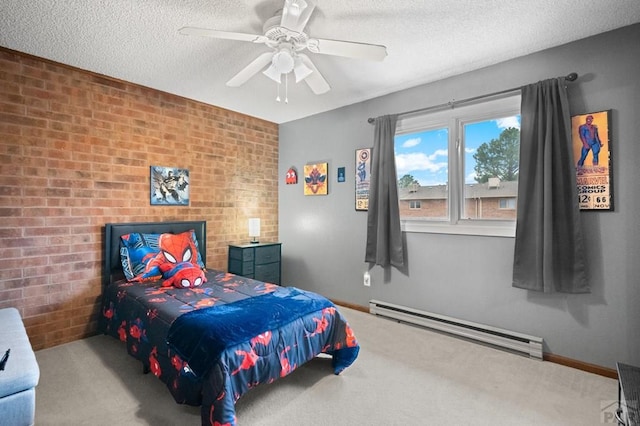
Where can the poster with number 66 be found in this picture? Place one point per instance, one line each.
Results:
(363, 178)
(591, 141)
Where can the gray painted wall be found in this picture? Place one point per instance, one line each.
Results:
(469, 277)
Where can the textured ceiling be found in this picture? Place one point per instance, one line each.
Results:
(427, 40)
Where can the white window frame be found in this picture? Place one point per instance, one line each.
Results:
(415, 205)
(454, 119)
(507, 202)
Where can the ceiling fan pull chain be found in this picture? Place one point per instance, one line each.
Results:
(286, 88)
(278, 94)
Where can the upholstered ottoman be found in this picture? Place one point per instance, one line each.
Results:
(20, 376)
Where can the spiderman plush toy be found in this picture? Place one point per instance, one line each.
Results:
(177, 261)
(184, 275)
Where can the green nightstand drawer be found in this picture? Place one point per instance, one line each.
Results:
(267, 254)
(240, 268)
(269, 273)
(241, 254)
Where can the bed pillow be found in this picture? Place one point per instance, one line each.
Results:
(135, 254)
(153, 241)
(141, 258)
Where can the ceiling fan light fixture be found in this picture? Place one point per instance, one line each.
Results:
(283, 61)
(300, 70)
(284, 34)
(273, 73)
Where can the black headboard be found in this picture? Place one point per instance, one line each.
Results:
(113, 231)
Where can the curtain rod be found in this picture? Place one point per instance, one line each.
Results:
(571, 77)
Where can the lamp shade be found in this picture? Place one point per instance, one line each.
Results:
(300, 70)
(273, 73)
(283, 61)
(254, 229)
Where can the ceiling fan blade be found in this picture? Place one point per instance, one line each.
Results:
(250, 70)
(228, 35)
(316, 82)
(296, 14)
(349, 49)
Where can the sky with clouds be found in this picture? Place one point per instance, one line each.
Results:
(424, 155)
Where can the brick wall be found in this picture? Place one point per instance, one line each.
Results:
(485, 208)
(75, 153)
(428, 208)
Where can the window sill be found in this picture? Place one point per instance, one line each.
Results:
(484, 228)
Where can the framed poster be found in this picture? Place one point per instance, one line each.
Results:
(591, 142)
(169, 186)
(315, 179)
(292, 176)
(363, 178)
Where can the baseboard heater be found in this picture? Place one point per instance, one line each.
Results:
(517, 342)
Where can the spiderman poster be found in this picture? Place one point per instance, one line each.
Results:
(315, 179)
(169, 186)
(591, 140)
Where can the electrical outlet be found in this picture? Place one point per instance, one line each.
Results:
(367, 279)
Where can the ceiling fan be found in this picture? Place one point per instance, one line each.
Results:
(284, 35)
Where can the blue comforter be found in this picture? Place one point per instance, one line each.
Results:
(212, 344)
(199, 337)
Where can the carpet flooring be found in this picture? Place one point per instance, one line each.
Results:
(403, 376)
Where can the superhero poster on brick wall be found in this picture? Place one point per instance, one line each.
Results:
(591, 141)
(169, 186)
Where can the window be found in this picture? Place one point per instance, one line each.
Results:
(508, 203)
(458, 169)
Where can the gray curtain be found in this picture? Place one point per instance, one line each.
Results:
(384, 235)
(549, 248)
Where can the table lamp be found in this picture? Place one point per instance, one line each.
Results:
(254, 229)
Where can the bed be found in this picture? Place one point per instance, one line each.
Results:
(212, 343)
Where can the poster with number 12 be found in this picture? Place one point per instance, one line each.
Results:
(591, 141)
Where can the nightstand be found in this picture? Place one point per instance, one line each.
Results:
(258, 261)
